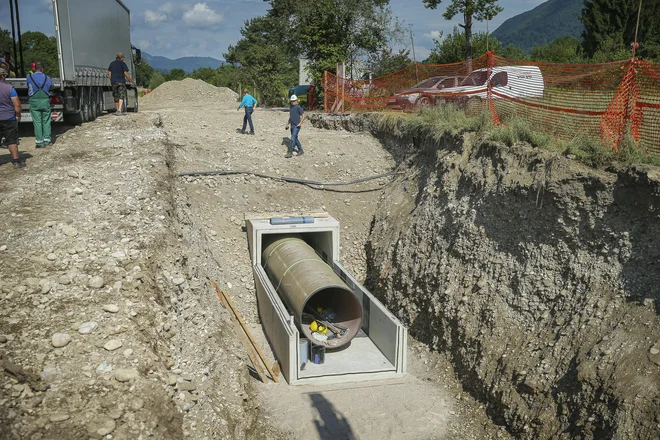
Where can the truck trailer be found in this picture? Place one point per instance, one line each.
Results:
(89, 34)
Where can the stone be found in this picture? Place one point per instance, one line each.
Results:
(59, 417)
(87, 328)
(70, 231)
(51, 257)
(101, 425)
(654, 350)
(186, 386)
(72, 173)
(3, 248)
(64, 280)
(111, 308)
(112, 344)
(104, 367)
(60, 340)
(137, 404)
(96, 282)
(126, 374)
(178, 281)
(3, 339)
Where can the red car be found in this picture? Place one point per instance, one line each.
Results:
(422, 94)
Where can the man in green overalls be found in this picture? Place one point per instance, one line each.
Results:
(39, 86)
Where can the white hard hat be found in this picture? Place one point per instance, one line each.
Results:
(293, 98)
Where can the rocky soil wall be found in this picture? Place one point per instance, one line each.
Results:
(538, 276)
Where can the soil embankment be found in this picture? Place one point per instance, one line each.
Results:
(539, 277)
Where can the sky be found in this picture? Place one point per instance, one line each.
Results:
(182, 28)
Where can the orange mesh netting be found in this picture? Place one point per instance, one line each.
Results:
(607, 100)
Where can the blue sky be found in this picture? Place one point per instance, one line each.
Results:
(205, 28)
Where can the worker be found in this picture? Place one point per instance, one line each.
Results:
(6, 58)
(296, 118)
(39, 85)
(118, 74)
(249, 103)
(10, 114)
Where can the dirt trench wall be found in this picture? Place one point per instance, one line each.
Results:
(539, 276)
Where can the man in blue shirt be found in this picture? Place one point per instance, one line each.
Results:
(249, 103)
(296, 118)
(39, 85)
(118, 74)
(10, 112)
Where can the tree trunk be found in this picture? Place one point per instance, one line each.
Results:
(468, 36)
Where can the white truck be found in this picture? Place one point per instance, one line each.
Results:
(505, 81)
(89, 34)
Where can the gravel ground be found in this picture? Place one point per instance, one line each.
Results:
(108, 325)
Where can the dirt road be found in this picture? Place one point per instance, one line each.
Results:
(108, 325)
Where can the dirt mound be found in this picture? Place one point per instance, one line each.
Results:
(191, 92)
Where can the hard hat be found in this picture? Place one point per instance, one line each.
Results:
(293, 98)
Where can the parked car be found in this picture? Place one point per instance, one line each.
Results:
(423, 93)
(506, 81)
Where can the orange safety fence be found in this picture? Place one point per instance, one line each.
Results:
(607, 100)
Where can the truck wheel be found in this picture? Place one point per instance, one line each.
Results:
(84, 104)
(93, 105)
(135, 109)
(474, 106)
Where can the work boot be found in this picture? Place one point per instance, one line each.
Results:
(301, 152)
(288, 155)
(252, 133)
(18, 163)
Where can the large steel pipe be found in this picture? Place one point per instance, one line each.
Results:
(305, 282)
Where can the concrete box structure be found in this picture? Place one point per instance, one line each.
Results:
(377, 352)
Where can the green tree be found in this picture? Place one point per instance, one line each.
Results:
(175, 75)
(263, 58)
(512, 52)
(452, 48)
(156, 79)
(143, 73)
(387, 61)
(609, 27)
(471, 10)
(562, 50)
(39, 47)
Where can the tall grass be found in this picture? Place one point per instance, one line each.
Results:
(448, 119)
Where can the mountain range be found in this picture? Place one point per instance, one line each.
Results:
(542, 25)
(188, 64)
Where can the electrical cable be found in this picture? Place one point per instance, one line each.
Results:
(310, 183)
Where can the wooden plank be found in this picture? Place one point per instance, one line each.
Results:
(241, 337)
(249, 335)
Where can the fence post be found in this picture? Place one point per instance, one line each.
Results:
(325, 92)
(490, 56)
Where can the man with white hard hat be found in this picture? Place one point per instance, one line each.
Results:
(296, 118)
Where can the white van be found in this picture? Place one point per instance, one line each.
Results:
(506, 81)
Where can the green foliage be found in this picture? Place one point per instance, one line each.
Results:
(176, 75)
(156, 79)
(452, 48)
(265, 60)
(542, 25)
(520, 130)
(609, 28)
(143, 73)
(479, 10)
(512, 52)
(562, 50)
(386, 61)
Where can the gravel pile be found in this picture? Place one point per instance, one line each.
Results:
(189, 92)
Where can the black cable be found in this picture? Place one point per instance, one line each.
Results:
(286, 179)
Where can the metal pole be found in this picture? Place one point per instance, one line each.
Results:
(412, 42)
(20, 44)
(13, 29)
(639, 12)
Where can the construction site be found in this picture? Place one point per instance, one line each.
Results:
(166, 276)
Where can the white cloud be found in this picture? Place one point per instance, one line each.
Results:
(202, 16)
(143, 44)
(45, 6)
(154, 17)
(433, 35)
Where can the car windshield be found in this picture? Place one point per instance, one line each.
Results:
(476, 78)
(427, 83)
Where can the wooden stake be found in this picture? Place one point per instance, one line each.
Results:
(245, 329)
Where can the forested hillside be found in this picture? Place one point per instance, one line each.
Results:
(542, 25)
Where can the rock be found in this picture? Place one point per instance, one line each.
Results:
(72, 173)
(112, 344)
(60, 340)
(64, 280)
(46, 286)
(70, 231)
(3, 248)
(186, 386)
(111, 308)
(128, 352)
(137, 404)
(654, 350)
(87, 328)
(96, 282)
(51, 257)
(104, 367)
(178, 281)
(59, 417)
(101, 425)
(3, 339)
(126, 374)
